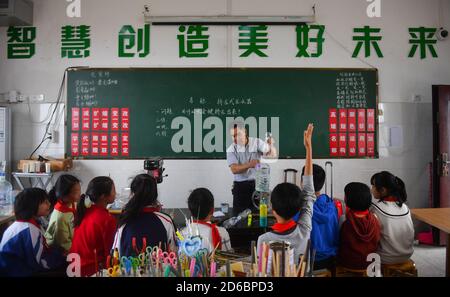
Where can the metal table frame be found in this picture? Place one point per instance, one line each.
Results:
(43, 179)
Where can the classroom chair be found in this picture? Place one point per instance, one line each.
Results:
(406, 269)
(348, 272)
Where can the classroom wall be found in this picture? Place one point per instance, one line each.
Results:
(400, 78)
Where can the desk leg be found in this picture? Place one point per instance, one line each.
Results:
(18, 182)
(447, 257)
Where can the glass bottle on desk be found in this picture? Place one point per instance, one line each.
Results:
(6, 201)
(234, 220)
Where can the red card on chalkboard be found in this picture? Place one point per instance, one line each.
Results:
(85, 144)
(74, 144)
(103, 144)
(342, 120)
(370, 144)
(352, 120)
(342, 144)
(114, 144)
(95, 119)
(371, 120)
(352, 144)
(105, 119)
(85, 119)
(125, 144)
(115, 119)
(362, 144)
(125, 119)
(334, 145)
(332, 116)
(361, 120)
(75, 119)
(95, 149)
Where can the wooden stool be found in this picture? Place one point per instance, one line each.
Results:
(348, 272)
(406, 269)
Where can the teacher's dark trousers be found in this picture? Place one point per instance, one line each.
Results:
(242, 196)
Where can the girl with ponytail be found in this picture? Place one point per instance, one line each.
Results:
(142, 223)
(397, 229)
(63, 197)
(94, 225)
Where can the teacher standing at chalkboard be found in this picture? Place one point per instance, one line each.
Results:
(242, 157)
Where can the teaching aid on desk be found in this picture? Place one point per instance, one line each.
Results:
(96, 263)
(213, 269)
(269, 262)
(264, 262)
(259, 261)
(253, 253)
(192, 267)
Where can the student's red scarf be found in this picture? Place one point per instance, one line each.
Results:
(217, 240)
(60, 206)
(283, 227)
(390, 199)
(358, 213)
(151, 209)
(31, 221)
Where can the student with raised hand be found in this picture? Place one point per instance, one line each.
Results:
(142, 223)
(65, 194)
(397, 229)
(23, 249)
(286, 200)
(94, 225)
(325, 222)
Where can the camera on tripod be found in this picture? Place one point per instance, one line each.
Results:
(154, 167)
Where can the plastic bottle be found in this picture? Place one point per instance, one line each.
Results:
(6, 203)
(234, 220)
(262, 178)
(263, 211)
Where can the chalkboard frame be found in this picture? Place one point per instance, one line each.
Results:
(86, 68)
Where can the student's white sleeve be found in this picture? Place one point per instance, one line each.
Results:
(226, 243)
(306, 212)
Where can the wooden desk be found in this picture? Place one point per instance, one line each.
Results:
(241, 235)
(439, 218)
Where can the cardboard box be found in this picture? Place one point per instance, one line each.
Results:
(55, 164)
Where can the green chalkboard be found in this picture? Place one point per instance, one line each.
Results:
(134, 113)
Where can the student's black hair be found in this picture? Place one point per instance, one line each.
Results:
(318, 177)
(357, 196)
(27, 203)
(394, 186)
(286, 200)
(62, 188)
(200, 203)
(144, 192)
(97, 187)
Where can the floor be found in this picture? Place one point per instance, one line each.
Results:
(430, 260)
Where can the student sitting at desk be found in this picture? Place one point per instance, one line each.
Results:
(360, 232)
(94, 225)
(64, 195)
(325, 222)
(142, 223)
(201, 205)
(397, 229)
(286, 199)
(23, 249)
